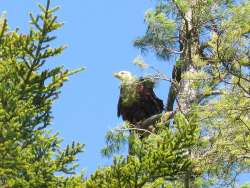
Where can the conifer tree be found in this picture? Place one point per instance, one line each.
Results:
(30, 154)
(203, 138)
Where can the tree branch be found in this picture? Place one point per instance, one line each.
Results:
(137, 129)
(213, 93)
(152, 120)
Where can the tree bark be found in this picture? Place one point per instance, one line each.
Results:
(186, 93)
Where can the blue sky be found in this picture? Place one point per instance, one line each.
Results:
(99, 35)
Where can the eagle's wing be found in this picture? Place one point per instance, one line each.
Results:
(150, 103)
(119, 107)
(146, 105)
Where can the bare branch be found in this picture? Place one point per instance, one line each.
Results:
(137, 129)
(213, 93)
(152, 120)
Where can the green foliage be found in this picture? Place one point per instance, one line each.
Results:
(246, 185)
(160, 34)
(140, 62)
(183, 6)
(207, 145)
(130, 88)
(115, 140)
(157, 158)
(129, 94)
(30, 154)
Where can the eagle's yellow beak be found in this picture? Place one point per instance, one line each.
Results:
(117, 75)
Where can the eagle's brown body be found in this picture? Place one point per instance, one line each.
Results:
(145, 104)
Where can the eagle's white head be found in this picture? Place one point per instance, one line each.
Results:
(124, 76)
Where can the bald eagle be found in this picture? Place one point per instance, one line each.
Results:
(137, 100)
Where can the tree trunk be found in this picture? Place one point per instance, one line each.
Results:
(187, 95)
